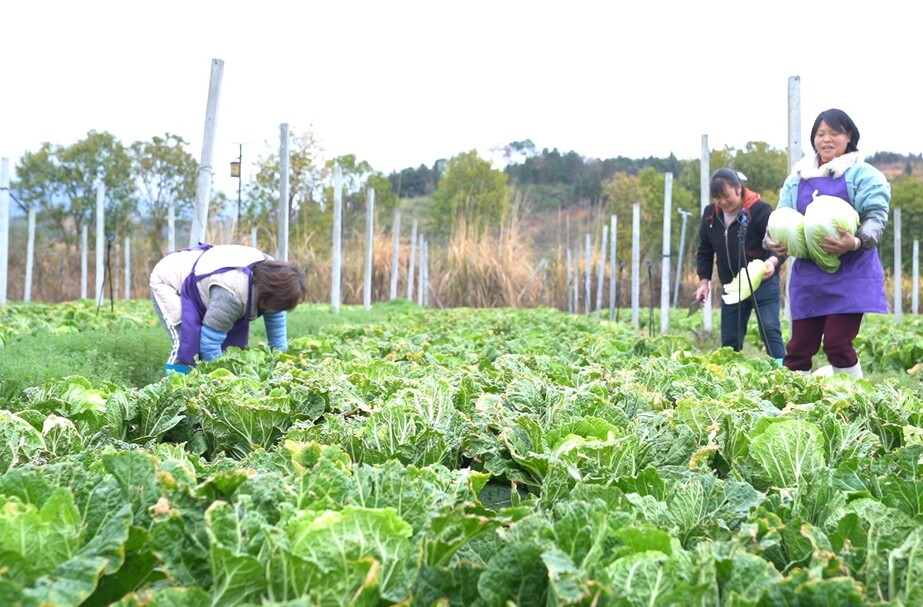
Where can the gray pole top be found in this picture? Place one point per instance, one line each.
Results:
(197, 232)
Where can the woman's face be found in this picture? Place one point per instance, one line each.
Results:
(729, 200)
(829, 142)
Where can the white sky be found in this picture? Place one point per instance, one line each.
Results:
(405, 82)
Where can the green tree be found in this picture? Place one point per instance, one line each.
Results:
(765, 167)
(471, 196)
(64, 180)
(166, 174)
(39, 184)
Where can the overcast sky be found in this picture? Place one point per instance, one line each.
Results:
(404, 83)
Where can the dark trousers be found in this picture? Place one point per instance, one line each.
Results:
(837, 331)
(734, 319)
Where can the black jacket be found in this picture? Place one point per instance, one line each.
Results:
(723, 246)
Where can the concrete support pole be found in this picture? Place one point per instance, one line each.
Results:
(635, 265)
(587, 272)
(197, 232)
(705, 200)
(337, 248)
(395, 253)
(915, 297)
(4, 227)
(665, 268)
(100, 240)
(127, 245)
(171, 227)
(30, 255)
(369, 237)
(84, 260)
(898, 274)
(284, 164)
(613, 265)
(601, 270)
(411, 260)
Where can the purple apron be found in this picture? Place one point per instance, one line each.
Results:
(856, 287)
(194, 311)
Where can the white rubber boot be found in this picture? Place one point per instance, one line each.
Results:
(854, 371)
(825, 371)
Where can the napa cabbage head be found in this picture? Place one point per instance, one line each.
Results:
(739, 289)
(786, 225)
(823, 217)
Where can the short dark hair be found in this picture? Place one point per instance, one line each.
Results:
(839, 120)
(280, 284)
(721, 178)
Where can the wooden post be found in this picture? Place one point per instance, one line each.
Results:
(570, 278)
(197, 233)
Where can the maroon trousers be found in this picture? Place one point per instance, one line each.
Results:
(837, 331)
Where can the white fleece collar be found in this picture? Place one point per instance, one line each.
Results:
(807, 167)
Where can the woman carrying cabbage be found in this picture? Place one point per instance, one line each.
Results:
(731, 237)
(829, 299)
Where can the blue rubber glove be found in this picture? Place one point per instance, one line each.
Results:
(176, 368)
(276, 330)
(210, 342)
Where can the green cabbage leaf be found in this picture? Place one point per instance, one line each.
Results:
(786, 225)
(822, 218)
(739, 289)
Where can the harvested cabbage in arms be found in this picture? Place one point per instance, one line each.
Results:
(786, 225)
(822, 218)
(739, 289)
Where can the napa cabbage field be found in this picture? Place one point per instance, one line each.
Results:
(468, 457)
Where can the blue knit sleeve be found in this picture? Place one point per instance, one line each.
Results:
(871, 195)
(276, 330)
(210, 342)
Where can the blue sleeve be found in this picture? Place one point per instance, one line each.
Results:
(210, 342)
(871, 195)
(276, 330)
(788, 195)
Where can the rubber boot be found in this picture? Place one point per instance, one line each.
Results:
(854, 371)
(825, 371)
